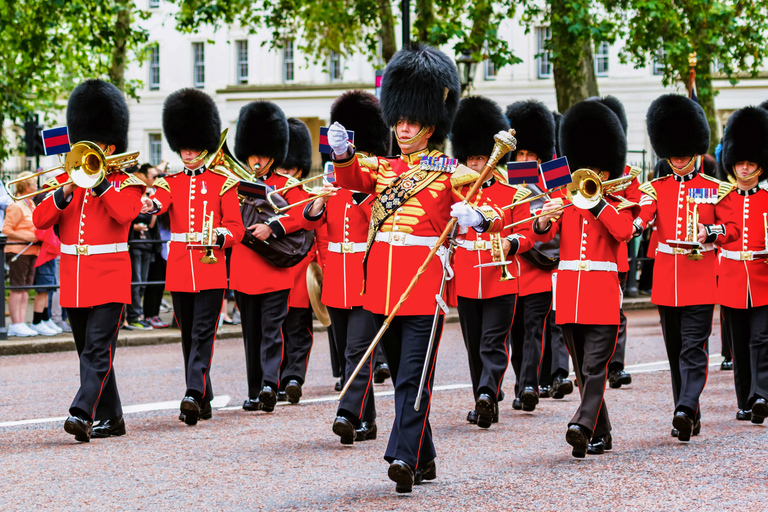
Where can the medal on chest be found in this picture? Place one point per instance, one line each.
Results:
(203, 188)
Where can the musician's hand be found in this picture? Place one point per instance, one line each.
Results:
(140, 227)
(147, 204)
(702, 233)
(467, 216)
(68, 189)
(550, 213)
(337, 139)
(505, 247)
(261, 231)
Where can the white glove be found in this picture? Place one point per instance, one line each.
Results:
(337, 139)
(467, 216)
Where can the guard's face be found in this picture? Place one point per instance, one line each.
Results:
(680, 161)
(744, 169)
(187, 155)
(524, 155)
(477, 162)
(407, 129)
(257, 163)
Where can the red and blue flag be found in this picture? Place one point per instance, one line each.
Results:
(324, 147)
(56, 141)
(521, 173)
(556, 173)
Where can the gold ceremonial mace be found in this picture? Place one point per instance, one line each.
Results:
(505, 142)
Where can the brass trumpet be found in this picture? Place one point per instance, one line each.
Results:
(301, 183)
(499, 257)
(208, 236)
(692, 233)
(86, 164)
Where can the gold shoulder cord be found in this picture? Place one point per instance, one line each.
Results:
(647, 188)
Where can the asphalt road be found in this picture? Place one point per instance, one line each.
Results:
(290, 459)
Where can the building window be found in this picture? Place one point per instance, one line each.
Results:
(545, 67)
(154, 68)
(602, 53)
(198, 73)
(288, 61)
(490, 70)
(154, 4)
(334, 67)
(717, 66)
(658, 62)
(155, 148)
(242, 62)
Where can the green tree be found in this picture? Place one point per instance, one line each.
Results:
(731, 33)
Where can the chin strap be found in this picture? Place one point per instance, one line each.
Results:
(685, 169)
(413, 139)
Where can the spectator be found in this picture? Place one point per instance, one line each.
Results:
(18, 227)
(45, 275)
(141, 250)
(5, 201)
(153, 295)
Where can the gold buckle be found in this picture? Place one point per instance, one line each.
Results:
(746, 255)
(583, 265)
(347, 247)
(679, 250)
(479, 245)
(194, 237)
(82, 250)
(394, 237)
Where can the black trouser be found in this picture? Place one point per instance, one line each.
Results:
(353, 331)
(262, 319)
(197, 315)
(297, 333)
(725, 339)
(748, 329)
(95, 331)
(555, 360)
(405, 344)
(528, 334)
(686, 333)
(617, 361)
(485, 326)
(153, 295)
(140, 261)
(591, 347)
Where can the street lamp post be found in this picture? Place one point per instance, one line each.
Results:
(467, 66)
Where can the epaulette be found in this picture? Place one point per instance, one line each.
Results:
(50, 182)
(463, 175)
(634, 172)
(731, 179)
(647, 188)
(723, 188)
(132, 181)
(231, 182)
(521, 193)
(220, 172)
(369, 162)
(763, 185)
(624, 204)
(161, 183)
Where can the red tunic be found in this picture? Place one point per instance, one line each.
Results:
(96, 279)
(739, 280)
(631, 193)
(590, 296)
(678, 281)
(184, 197)
(533, 279)
(391, 266)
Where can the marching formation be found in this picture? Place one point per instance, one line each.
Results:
(530, 248)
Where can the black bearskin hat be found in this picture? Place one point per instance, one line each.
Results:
(299, 147)
(262, 130)
(677, 127)
(421, 84)
(558, 117)
(615, 105)
(477, 120)
(746, 138)
(360, 112)
(191, 121)
(764, 105)
(534, 128)
(96, 111)
(591, 136)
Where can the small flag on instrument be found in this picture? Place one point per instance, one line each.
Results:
(56, 141)
(439, 163)
(521, 173)
(556, 173)
(324, 147)
(255, 189)
(379, 76)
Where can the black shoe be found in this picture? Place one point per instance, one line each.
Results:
(618, 378)
(496, 412)
(744, 415)
(472, 417)
(696, 428)
(268, 399)
(600, 444)
(190, 409)
(80, 428)
(727, 364)
(561, 386)
(338, 386)
(252, 404)
(282, 396)
(529, 398)
(427, 471)
(759, 411)
(684, 425)
(344, 428)
(517, 404)
(381, 373)
(545, 392)
(293, 390)
(577, 437)
(402, 474)
(367, 430)
(112, 427)
(485, 409)
(674, 433)
(206, 412)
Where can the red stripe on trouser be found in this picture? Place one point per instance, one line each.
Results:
(429, 402)
(282, 349)
(368, 388)
(213, 343)
(506, 351)
(606, 379)
(101, 389)
(543, 339)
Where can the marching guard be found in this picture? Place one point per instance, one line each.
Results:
(204, 211)
(93, 226)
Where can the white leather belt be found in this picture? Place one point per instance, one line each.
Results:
(187, 237)
(91, 250)
(736, 255)
(666, 249)
(475, 245)
(346, 247)
(588, 265)
(395, 238)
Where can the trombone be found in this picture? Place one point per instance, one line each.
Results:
(223, 160)
(86, 164)
(301, 183)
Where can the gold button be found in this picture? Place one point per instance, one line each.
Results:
(396, 238)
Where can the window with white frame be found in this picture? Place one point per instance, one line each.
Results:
(155, 148)
(490, 70)
(241, 49)
(543, 34)
(288, 61)
(334, 67)
(602, 54)
(154, 67)
(198, 73)
(658, 62)
(154, 4)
